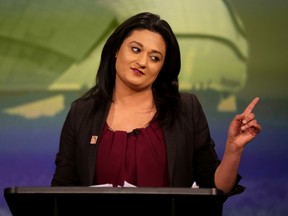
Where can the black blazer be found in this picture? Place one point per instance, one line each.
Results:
(190, 150)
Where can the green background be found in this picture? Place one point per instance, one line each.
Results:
(231, 51)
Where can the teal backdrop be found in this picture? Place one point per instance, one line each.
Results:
(232, 51)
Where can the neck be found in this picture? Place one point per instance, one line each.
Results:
(134, 98)
(131, 110)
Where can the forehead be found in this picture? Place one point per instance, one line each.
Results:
(147, 38)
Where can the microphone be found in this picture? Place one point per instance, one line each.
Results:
(135, 132)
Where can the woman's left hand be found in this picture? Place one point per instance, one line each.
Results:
(244, 127)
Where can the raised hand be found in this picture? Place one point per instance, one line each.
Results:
(244, 127)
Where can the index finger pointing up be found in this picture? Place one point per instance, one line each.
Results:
(251, 106)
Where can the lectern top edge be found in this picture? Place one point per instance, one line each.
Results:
(112, 190)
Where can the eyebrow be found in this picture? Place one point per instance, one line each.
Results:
(153, 51)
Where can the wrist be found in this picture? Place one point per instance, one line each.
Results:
(233, 148)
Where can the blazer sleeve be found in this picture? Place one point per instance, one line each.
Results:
(73, 164)
(66, 170)
(205, 159)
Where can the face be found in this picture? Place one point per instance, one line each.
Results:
(139, 60)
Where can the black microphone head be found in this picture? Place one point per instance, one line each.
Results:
(135, 132)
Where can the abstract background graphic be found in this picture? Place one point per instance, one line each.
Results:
(232, 51)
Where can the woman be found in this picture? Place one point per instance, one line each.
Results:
(135, 126)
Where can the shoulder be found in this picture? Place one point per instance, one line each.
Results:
(83, 103)
(87, 107)
(192, 108)
(189, 99)
(83, 107)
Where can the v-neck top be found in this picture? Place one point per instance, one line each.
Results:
(137, 157)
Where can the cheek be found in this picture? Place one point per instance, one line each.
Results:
(119, 63)
(156, 69)
(154, 72)
(122, 60)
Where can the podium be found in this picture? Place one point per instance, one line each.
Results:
(82, 201)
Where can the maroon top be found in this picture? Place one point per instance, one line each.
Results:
(137, 157)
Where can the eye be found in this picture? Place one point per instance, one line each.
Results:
(155, 58)
(135, 49)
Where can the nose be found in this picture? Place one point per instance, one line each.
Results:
(142, 60)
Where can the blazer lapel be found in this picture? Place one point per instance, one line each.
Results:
(171, 140)
(98, 121)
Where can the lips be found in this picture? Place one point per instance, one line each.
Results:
(136, 71)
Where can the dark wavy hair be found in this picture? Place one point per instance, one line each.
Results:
(165, 88)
